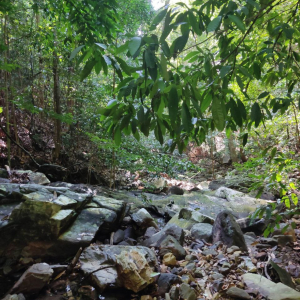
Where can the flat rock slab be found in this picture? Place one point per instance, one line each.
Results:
(269, 289)
(83, 230)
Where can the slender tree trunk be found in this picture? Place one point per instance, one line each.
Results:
(232, 148)
(6, 41)
(57, 106)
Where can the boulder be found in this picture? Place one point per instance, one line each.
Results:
(237, 293)
(202, 231)
(186, 218)
(156, 238)
(269, 289)
(143, 219)
(118, 266)
(228, 231)
(171, 245)
(165, 281)
(33, 280)
(186, 292)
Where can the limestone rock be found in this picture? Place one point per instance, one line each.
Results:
(101, 263)
(269, 289)
(33, 280)
(202, 231)
(169, 260)
(227, 231)
(134, 270)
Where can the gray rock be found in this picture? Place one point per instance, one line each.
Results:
(84, 229)
(227, 231)
(202, 231)
(186, 218)
(171, 245)
(33, 280)
(155, 240)
(118, 236)
(14, 297)
(174, 293)
(269, 289)
(143, 219)
(237, 293)
(186, 292)
(165, 281)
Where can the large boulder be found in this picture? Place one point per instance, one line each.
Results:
(228, 231)
(53, 221)
(269, 289)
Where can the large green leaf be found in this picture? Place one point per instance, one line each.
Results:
(134, 45)
(164, 68)
(256, 115)
(256, 70)
(218, 113)
(238, 22)
(224, 71)
(117, 135)
(214, 24)
(87, 69)
(158, 18)
(205, 103)
(150, 58)
(179, 44)
(194, 23)
(75, 51)
(186, 118)
(173, 102)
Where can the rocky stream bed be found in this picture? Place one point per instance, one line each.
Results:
(68, 241)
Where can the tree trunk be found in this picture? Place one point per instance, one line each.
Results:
(232, 148)
(57, 107)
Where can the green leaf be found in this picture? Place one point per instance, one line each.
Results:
(1, 109)
(214, 24)
(242, 109)
(253, 3)
(173, 104)
(134, 44)
(191, 54)
(158, 18)
(186, 118)
(206, 102)
(238, 22)
(245, 139)
(224, 71)
(218, 113)
(150, 58)
(240, 82)
(165, 48)
(117, 135)
(164, 68)
(87, 69)
(179, 43)
(194, 23)
(74, 52)
(102, 46)
(263, 95)
(256, 114)
(256, 70)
